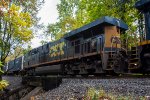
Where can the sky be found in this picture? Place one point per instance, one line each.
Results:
(48, 14)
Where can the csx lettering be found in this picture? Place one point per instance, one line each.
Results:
(57, 50)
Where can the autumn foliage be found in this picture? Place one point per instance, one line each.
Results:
(3, 83)
(15, 27)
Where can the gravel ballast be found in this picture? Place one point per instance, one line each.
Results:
(77, 88)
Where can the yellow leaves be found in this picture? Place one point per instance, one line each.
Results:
(20, 23)
(23, 33)
(14, 7)
(3, 84)
(1, 65)
(3, 4)
(91, 92)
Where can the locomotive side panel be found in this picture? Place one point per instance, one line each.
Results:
(54, 52)
(11, 66)
(57, 50)
(45, 54)
(63, 49)
(26, 60)
(32, 57)
(18, 64)
(41, 54)
(15, 65)
(5, 67)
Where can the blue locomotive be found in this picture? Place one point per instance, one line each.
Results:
(93, 49)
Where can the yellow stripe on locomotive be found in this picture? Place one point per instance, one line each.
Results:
(144, 42)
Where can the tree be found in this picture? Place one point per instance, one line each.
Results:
(76, 13)
(30, 6)
(17, 52)
(67, 20)
(14, 28)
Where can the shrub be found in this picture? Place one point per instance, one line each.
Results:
(3, 83)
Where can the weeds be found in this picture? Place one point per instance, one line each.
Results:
(93, 94)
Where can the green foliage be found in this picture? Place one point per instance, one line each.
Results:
(18, 51)
(76, 13)
(1, 65)
(15, 28)
(93, 94)
(20, 23)
(3, 83)
(30, 6)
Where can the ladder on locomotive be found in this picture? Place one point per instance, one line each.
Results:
(134, 55)
(134, 58)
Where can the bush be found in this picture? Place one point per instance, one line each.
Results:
(3, 83)
(93, 94)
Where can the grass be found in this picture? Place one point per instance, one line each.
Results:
(93, 94)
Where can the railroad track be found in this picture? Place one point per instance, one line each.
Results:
(134, 76)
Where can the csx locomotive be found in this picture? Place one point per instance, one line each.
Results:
(95, 48)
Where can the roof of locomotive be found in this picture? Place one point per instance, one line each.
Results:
(99, 22)
(143, 5)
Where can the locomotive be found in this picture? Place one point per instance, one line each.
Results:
(93, 49)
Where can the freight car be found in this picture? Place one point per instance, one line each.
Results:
(95, 48)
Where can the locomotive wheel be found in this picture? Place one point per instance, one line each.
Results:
(68, 70)
(120, 65)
